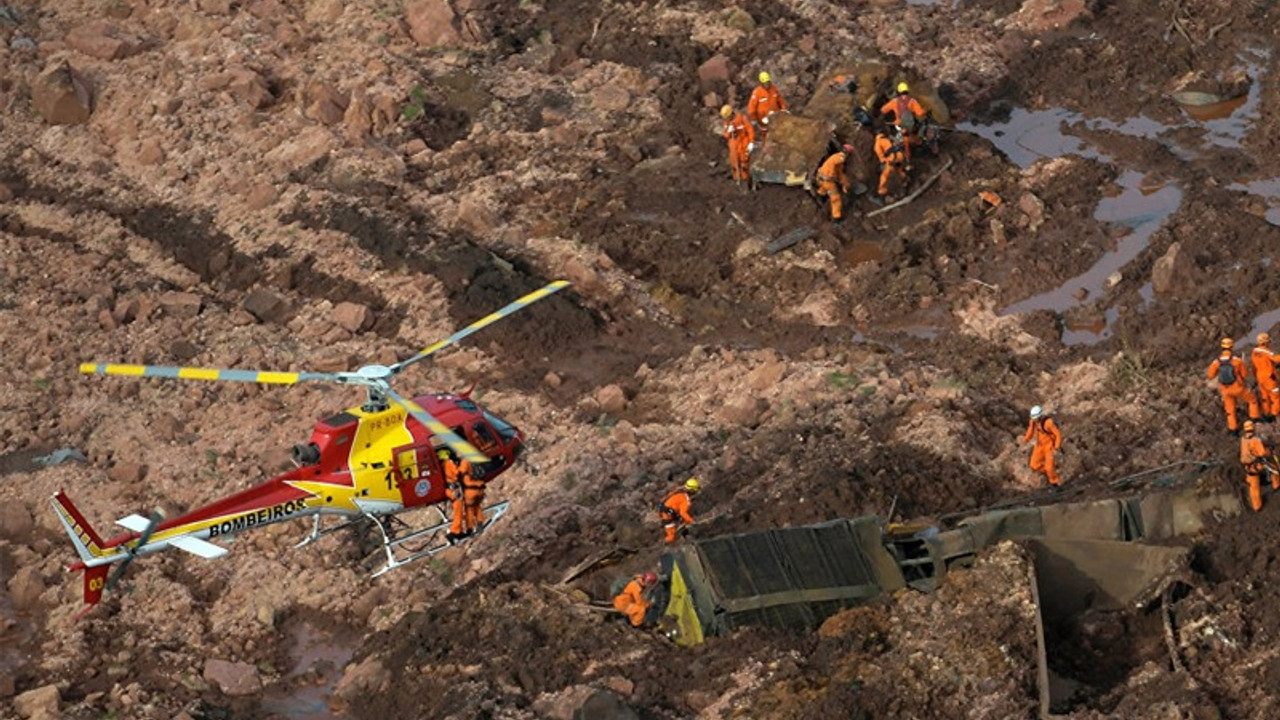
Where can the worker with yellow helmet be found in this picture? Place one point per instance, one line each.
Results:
(742, 138)
(1229, 372)
(675, 510)
(907, 113)
(1264, 371)
(1256, 461)
(765, 100)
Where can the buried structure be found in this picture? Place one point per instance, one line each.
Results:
(1092, 562)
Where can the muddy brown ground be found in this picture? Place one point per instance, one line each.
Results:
(902, 382)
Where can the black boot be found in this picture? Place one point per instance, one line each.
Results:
(453, 539)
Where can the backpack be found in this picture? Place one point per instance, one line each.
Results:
(1226, 372)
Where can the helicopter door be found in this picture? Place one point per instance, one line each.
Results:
(418, 475)
(480, 435)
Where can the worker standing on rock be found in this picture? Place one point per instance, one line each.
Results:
(675, 510)
(833, 183)
(632, 602)
(892, 156)
(1048, 439)
(1230, 373)
(1253, 456)
(907, 113)
(742, 139)
(765, 100)
(1264, 371)
(456, 475)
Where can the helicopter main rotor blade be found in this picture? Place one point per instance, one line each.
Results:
(439, 429)
(483, 322)
(190, 373)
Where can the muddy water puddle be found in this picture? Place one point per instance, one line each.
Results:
(317, 658)
(1267, 189)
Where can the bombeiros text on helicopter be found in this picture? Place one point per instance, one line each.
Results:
(363, 465)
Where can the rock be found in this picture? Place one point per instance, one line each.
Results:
(604, 705)
(233, 678)
(714, 71)
(997, 232)
(610, 98)
(740, 20)
(15, 521)
(477, 216)
(248, 87)
(325, 103)
(180, 304)
(699, 700)
(552, 380)
(742, 410)
(303, 152)
(215, 7)
(149, 152)
(432, 23)
(1033, 208)
(8, 686)
(323, 12)
(585, 280)
(183, 350)
(25, 588)
(1040, 16)
(353, 317)
(103, 40)
(365, 678)
(1173, 271)
(612, 399)
(61, 95)
(127, 473)
(619, 684)
(261, 195)
(267, 306)
(1114, 279)
(765, 376)
(624, 433)
(39, 704)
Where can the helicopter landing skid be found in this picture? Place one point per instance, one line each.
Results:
(490, 514)
(317, 533)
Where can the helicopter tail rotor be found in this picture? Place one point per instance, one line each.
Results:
(152, 522)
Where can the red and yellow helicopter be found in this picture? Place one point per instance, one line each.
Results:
(364, 464)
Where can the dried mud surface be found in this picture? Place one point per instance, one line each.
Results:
(869, 366)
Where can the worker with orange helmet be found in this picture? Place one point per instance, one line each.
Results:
(765, 100)
(891, 151)
(833, 183)
(1230, 373)
(632, 602)
(1264, 371)
(456, 476)
(907, 113)
(742, 140)
(1048, 439)
(675, 510)
(1253, 456)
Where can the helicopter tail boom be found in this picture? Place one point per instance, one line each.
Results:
(82, 534)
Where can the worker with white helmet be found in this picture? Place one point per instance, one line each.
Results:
(1048, 438)
(741, 137)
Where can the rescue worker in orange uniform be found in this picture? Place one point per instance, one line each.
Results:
(1253, 456)
(631, 601)
(1230, 373)
(1264, 371)
(1048, 439)
(765, 99)
(905, 112)
(742, 140)
(456, 476)
(892, 155)
(833, 183)
(674, 510)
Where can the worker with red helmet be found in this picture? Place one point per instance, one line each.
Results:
(631, 601)
(1264, 371)
(1253, 456)
(833, 182)
(676, 508)
(1230, 373)
(742, 138)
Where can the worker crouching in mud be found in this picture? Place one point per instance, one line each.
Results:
(634, 600)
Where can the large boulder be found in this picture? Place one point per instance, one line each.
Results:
(432, 23)
(102, 40)
(1172, 272)
(233, 678)
(62, 96)
(39, 704)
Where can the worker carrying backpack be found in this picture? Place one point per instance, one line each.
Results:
(1226, 372)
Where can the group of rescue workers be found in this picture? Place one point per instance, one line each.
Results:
(896, 129)
(675, 513)
(466, 492)
(1230, 372)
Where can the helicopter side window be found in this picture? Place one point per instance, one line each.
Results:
(505, 431)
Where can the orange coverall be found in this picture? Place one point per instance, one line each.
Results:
(764, 100)
(898, 107)
(1048, 439)
(1264, 370)
(891, 162)
(673, 512)
(1252, 451)
(456, 477)
(1235, 391)
(740, 134)
(832, 182)
(632, 603)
